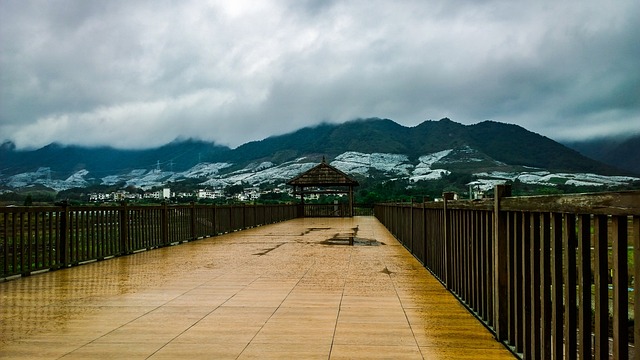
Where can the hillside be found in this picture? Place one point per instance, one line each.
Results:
(65, 160)
(623, 153)
(376, 149)
(510, 144)
(367, 136)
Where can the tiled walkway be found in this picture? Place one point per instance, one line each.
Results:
(280, 291)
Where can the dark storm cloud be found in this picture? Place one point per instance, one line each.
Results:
(141, 73)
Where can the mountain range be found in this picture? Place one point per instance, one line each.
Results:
(367, 147)
(622, 152)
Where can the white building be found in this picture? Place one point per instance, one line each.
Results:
(99, 197)
(119, 195)
(166, 193)
(159, 195)
(209, 194)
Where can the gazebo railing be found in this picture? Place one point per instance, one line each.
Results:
(325, 210)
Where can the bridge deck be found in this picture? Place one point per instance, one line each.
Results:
(289, 290)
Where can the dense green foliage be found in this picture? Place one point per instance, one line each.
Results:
(370, 191)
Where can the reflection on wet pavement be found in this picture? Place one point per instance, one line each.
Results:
(278, 291)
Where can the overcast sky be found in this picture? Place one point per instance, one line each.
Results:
(135, 74)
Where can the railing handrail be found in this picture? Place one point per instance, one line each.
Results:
(619, 203)
(524, 265)
(36, 238)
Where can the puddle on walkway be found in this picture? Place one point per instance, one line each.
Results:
(352, 241)
(348, 238)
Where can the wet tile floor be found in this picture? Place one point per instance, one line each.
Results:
(280, 291)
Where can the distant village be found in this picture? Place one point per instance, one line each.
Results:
(247, 194)
(164, 194)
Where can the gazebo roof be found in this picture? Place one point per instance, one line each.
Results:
(323, 174)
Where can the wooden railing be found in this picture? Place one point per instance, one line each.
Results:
(42, 238)
(551, 276)
(324, 210)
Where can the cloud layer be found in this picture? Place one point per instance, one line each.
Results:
(135, 74)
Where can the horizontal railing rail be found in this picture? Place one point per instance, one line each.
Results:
(325, 210)
(34, 239)
(552, 276)
(363, 209)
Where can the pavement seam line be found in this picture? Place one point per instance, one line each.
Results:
(335, 328)
(277, 308)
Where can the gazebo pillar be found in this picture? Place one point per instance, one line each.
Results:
(301, 207)
(350, 201)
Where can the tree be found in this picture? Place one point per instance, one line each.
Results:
(234, 189)
(28, 201)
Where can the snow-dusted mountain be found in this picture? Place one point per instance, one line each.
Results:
(42, 176)
(374, 148)
(390, 166)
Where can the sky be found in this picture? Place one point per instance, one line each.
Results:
(139, 74)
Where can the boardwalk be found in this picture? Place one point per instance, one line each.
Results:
(290, 290)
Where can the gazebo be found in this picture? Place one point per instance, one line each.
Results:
(324, 179)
